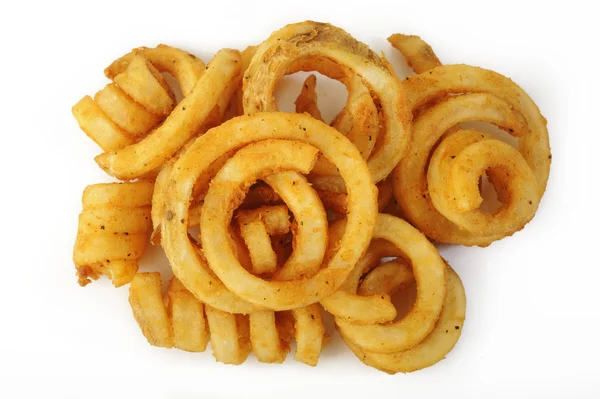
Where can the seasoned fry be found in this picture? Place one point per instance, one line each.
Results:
(311, 39)
(113, 231)
(216, 84)
(145, 298)
(490, 98)
(419, 55)
(266, 217)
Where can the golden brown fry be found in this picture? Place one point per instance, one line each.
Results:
(276, 218)
(256, 237)
(264, 336)
(430, 274)
(184, 67)
(236, 106)
(113, 231)
(310, 227)
(359, 120)
(389, 277)
(125, 112)
(284, 206)
(145, 298)
(214, 87)
(307, 99)
(434, 347)
(310, 334)
(126, 195)
(336, 202)
(345, 304)
(186, 315)
(229, 336)
(276, 55)
(488, 97)
(308, 328)
(186, 263)
(99, 127)
(119, 115)
(419, 55)
(146, 86)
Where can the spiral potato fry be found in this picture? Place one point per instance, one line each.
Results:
(113, 231)
(266, 217)
(215, 86)
(430, 275)
(434, 347)
(437, 182)
(309, 39)
(139, 97)
(431, 327)
(358, 120)
(233, 182)
(179, 320)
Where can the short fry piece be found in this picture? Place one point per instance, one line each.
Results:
(419, 55)
(229, 336)
(307, 99)
(310, 334)
(149, 311)
(186, 313)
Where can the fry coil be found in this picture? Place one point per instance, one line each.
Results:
(113, 230)
(437, 183)
(139, 98)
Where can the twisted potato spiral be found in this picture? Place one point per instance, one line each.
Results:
(417, 339)
(140, 91)
(335, 53)
(113, 231)
(281, 142)
(437, 182)
(178, 319)
(139, 98)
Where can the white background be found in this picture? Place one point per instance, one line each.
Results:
(532, 327)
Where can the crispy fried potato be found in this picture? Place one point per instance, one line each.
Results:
(434, 347)
(115, 119)
(419, 55)
(186, 314)
(275, 218)
(234, 134)
(229, 336)
(345, 304)
(310, 334)
(310, 227)
(307, 99)
(145, 298)
(113, 231)
(430, 274)
(285, 47)
(125, 112)
(491, 98)
(256, 237)
(127, 195)
(389, 277)
(264, 336)
(185, 67)
(214, 87)
(142, 82)
(99, 127)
